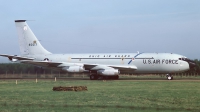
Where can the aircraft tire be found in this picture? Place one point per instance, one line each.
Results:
(170, 78)
(106, 77)
(100, 77)
(93, 77)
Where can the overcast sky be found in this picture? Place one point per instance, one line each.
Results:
(98, 26)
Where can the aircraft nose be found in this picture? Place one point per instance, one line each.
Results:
(192, 64)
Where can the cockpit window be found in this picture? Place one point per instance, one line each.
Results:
(183, 59)
(186, 59)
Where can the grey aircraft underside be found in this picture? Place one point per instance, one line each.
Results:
(99, 65)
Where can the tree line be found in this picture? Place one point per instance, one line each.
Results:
(19, 68)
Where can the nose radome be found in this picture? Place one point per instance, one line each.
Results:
(191, 63)
(184, 66)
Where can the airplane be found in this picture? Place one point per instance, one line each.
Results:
(98, 65)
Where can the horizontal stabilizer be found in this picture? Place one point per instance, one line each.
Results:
(16, 57)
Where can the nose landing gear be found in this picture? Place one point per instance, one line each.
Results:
(169, 77)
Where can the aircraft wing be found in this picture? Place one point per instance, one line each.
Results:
(42, 63)
(124, 67)
(16, 57)
(100, 67)
(86, 66)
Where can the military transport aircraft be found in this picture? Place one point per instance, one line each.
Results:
(99, 65)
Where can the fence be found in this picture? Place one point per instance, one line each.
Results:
(84, 75)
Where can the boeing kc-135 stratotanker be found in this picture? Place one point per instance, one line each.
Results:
(98, 65)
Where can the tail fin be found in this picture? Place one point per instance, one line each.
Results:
(29, 44)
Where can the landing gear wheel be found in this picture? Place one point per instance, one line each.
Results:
(106, 77)
(93, 77)
(100, 77)
(170, 77)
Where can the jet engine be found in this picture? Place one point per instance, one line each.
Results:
(74, 69)
(13, 59)
(108, 72)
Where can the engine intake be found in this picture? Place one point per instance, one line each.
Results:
(13, 59)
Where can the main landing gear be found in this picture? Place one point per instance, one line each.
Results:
(169, 77)
(101, 77)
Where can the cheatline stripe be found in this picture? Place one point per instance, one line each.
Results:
(134, 58)
(100, 58)
(112, 58)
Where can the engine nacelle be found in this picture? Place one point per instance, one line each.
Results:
(74, 69)
(108, 72)
(13, 59)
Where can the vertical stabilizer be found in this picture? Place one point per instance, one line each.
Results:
(29, 44)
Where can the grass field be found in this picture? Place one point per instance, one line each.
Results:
(109, 96)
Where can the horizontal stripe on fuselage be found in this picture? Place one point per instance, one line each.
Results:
(112, 58)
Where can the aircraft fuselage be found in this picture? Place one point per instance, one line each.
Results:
(145, 62)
